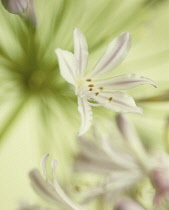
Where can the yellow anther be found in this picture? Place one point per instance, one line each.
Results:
(90, 89)
(91, 85)
(101, 88)
(97, 93)
(88, 80)
(110, 99)
(77, 188)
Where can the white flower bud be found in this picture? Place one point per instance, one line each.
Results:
(15, 6)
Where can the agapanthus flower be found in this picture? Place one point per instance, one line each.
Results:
(49, 189)
(90, 86)
(33, 95)
(123, 166)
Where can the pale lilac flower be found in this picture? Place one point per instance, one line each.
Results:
(128, 204)
(124, 165)
(90, 86)
(49, 189)
(120, 166)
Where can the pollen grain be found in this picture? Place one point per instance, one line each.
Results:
(110, 99)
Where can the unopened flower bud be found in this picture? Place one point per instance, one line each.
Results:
(128, 204)
(15, 6)
(25, 8)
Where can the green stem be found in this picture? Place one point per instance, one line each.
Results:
(166, 136)
(11, 119)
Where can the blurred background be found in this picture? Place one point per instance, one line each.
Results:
(38, 109)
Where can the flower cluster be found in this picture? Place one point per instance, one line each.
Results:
(120, 169)
(124, 167)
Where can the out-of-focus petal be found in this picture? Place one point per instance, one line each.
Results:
(43, 166)
(123, 159)
(43, 188)
(23, 205)
(130, 136)
(86, 114)
(124, 82)
(15, 6)
(160, 179)
(114, 55)
(67, 64)
(118, 102)
(92, 159)
(50, 190)
(128, 204)
(66, 200)
(80, 51)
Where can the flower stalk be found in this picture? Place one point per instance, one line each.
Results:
(12, 118)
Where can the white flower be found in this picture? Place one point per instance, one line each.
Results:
(124, 165)
(89, 87)
(49, 189)
(120, 166)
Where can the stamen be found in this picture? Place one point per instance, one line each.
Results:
(101, 88)
(91, 85)
(88, 80)
(90, 89)
(110, 99)
(96, 94)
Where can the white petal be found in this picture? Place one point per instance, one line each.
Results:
(122, 159)
(129, 134)
(86, 114)
(124, 82)
(43, 188)
(66, 200)
(43, 166)
(118, 102)
(80, 51)
(92, 159)
(67, 64)
(114, 55)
